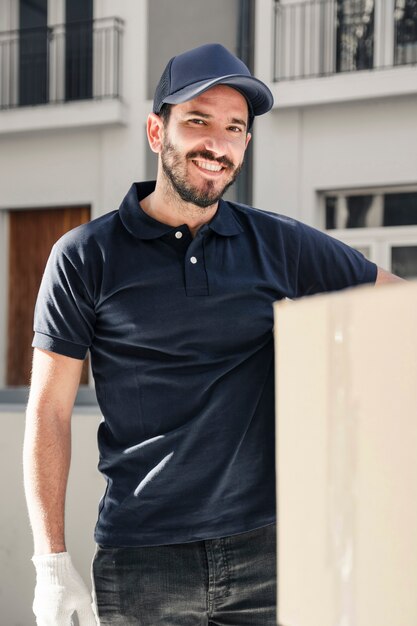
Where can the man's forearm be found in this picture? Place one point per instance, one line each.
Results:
(60, 591)
(46, 461)
(384, 277)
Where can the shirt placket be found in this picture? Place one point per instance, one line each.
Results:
(195, 271)
(192, 253)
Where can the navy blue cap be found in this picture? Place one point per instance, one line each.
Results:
(189, 74)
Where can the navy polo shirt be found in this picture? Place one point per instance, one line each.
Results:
(180, 335)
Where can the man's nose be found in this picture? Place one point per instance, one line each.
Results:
(216, 143)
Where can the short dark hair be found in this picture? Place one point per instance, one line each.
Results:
(165, 113)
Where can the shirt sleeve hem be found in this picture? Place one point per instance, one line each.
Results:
(60, 346)
(371, 272)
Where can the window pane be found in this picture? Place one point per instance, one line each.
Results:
(405, 16)
(33, 57)
(33, 13)
(351, 212)
(79, 50)
(400, 209)
(358, 209)
(331, 204)
(404, 261)
(79, 10)
(371, 211)
(355, 35)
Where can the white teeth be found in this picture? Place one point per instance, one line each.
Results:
(212, 167)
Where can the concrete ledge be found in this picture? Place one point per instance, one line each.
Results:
(89, 113)
(15, 398)
(345, 87)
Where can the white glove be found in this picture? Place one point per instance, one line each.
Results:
(59, 592)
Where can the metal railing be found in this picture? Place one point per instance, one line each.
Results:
(61, 63)
(315, 38)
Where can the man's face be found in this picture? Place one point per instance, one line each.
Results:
(204, 143)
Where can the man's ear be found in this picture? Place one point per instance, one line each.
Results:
(248, 138)
(154, 131)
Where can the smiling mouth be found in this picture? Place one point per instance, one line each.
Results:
(209, 166)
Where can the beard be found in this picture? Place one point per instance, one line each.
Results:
(175, 169)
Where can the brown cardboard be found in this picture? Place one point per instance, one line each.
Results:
(346, 404)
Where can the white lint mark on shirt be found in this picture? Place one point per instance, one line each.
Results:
(152, 474)
(142, 445)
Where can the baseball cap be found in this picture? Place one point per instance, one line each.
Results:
(189, 74)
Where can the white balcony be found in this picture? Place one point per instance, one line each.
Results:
(337, 51)
(61, 76)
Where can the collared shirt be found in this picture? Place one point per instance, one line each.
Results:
(180, 332)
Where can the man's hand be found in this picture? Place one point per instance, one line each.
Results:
(60, 591)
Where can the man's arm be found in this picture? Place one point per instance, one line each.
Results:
(47, 446)
(60, 591)
(383, 277)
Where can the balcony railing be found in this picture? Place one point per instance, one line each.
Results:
(62, 63)
(324, 37)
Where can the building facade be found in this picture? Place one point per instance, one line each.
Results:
(338, 151)
(344, 154)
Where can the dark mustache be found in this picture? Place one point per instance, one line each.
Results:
(208, 156)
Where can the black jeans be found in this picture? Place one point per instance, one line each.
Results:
(223, 582)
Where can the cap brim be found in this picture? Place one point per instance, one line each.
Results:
(255, 91)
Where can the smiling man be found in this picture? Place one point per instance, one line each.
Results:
(172, 295)
(201, 152)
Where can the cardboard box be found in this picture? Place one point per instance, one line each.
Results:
(346, 400)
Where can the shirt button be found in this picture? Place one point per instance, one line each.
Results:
(178, 234)
(193, 260)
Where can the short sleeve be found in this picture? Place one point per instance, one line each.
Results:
(326, 264)
(64, 312)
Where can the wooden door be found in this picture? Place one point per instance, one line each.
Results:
(31, 236)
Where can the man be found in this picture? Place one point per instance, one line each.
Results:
(172, 295)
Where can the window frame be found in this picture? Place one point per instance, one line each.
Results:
(379, 239)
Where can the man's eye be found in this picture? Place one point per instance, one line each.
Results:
(235, 129)
(197, 121)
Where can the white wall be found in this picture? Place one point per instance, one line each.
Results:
(333, 146)
(17, 574)
(50, 169)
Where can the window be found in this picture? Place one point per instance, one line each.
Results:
(33, 52)
(371, 210)
(53, 62)
(404, 261)
(405, 17)
(382, 224)
(355, 35)
(79, 50)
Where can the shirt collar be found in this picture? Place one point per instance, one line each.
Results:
(143, 226)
